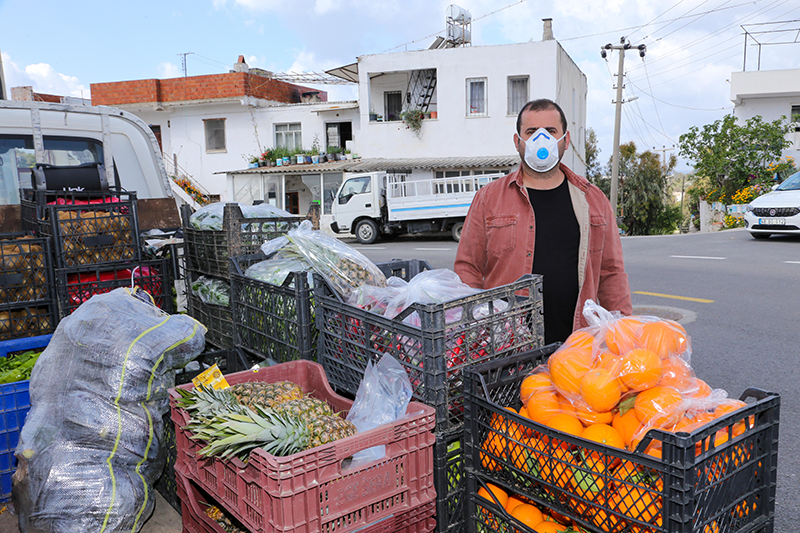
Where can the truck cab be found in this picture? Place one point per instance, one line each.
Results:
(358, 204)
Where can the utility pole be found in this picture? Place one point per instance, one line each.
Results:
(621, 47)
(663, 151)
(185, 73)
(2, 80)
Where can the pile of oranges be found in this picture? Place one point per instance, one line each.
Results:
(613, 383)
(523, 510)
(609, 383)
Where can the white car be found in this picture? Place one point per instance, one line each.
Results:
(775, 212)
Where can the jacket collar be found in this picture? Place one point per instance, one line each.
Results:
(579, 181)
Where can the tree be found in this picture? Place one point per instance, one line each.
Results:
(647, 208)
(593, 168)
(732, 156)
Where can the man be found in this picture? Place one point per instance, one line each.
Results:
(545, 219)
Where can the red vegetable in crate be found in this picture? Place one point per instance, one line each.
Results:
(82, 286)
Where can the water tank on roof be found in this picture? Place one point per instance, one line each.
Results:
(458, 14)
(458, 34)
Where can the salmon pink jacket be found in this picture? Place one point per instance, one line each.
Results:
(497, 242)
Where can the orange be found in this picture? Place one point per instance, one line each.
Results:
(528, 514)
(532, 383)
(627, 425)
(524, 432)
(547, 526)
(567, 367)
(512, 502)
(621, 334)
(542, 405)
(600, 390)
(525, 455)
(641, 369)
(566, 405)
(579, 339)
(555, 467)
(609, 361)
(493, 446)
(676, 373)
(604, 434)
(566, 424)
(664, 337)
(659, 407)
(637, 503)
(699, 388)
(590, 478)
(500, 494)
(589, 417)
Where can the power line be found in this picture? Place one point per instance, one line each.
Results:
(690, 22)
(676, 105)
(658, 17)
(663, 129)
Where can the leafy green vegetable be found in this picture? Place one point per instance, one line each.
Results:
(18, 367)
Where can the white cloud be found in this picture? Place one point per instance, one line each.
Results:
(168, 70)
(43, 78)
(324, 6)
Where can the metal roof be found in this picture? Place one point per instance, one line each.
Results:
(379, 164)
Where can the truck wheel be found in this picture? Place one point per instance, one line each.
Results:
(366, 231)
(457, 227)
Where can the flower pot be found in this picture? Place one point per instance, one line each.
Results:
(253, 165)
(434, 114)
(315, 159)
(373, 117)
(279, 162)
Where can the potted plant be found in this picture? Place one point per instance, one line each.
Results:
(373, 116)
(379, 118)
(413, 120)
(252, 161)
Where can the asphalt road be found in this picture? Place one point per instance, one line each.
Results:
(736, 297)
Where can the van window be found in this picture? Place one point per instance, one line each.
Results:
(17, 158)
(355, 186)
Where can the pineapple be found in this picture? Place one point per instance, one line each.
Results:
(266, 394)
(304, 409)
(236, 434)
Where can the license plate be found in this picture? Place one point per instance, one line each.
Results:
(771, 221)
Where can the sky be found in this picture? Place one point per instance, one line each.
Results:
(693, 46)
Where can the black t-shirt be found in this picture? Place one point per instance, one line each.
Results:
(555, 257)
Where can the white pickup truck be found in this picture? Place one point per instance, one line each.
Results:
(84, 143)
(373, 204)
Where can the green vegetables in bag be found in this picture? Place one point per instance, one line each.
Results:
(18, 367)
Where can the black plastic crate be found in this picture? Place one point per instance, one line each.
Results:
(87, 227)
(27, 299)
(228, 361)
(451, 337)
(26, 269)
(208, 251)
(76, 285)
(218, 319)
(703, 482)
(449, 479)
(275, 321)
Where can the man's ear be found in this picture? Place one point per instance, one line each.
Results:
(516, 141)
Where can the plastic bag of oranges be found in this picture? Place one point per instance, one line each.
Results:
(619, 377)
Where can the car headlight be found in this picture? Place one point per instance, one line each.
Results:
(748, 208)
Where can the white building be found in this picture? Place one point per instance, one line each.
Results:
(769, 94)
(471, 96)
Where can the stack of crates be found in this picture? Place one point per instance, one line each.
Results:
(720, 477)
(317, 490)
(27, 299)
(207, 254)
(435, 343)
(94, 236)
(15, 402)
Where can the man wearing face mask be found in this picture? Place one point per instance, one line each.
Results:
(545, 219)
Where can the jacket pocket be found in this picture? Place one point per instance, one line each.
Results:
(597, 233)
(501, 234)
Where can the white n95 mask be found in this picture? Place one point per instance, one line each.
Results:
(541, 150)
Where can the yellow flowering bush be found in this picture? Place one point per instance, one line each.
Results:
(733, 222)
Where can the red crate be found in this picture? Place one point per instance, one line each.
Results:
(194, 501)
(314, 491)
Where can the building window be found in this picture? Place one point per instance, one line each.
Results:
(476, 97)
(517, 93)
(393, 103)
(289, 136)
(795, 117)
(215, 134)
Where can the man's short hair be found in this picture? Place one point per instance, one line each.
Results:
(542, 104)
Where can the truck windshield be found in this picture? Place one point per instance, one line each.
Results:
(354, 186)
(17, 158)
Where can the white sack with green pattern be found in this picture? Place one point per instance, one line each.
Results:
(91, 449)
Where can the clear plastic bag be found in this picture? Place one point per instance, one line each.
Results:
(341, 265)
(210, 217)
(624, 374)
(429, 287)
(275, 271)
(382, 397)
(212, 291)
(91, 448)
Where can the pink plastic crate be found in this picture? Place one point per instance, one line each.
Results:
(418, 520)
(314, 491)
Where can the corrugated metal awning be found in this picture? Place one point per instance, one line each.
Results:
(385, 164)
